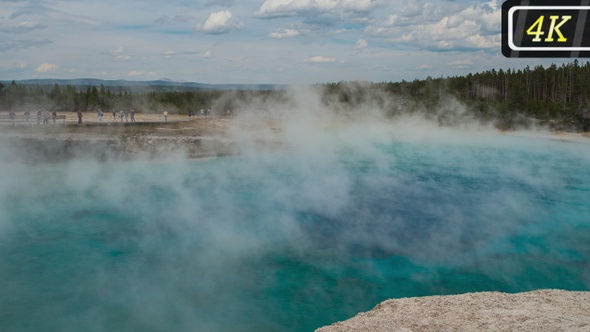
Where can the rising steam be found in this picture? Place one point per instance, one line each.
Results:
(320, 207)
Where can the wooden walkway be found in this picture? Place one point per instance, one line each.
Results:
(32, 120)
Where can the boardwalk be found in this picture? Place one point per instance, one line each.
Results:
(32, 120)
(91, 118)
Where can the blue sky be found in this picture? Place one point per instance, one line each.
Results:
(257, 41)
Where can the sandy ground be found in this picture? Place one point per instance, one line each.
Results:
(539, 311)
(151, 135)
(92, 117)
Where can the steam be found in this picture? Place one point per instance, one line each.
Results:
(321, 207)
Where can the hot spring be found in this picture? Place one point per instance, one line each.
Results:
(289, 239)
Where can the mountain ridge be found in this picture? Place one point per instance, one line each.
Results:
(159, 84)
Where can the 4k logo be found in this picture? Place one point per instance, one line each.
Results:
(536, 29)
(546, 28)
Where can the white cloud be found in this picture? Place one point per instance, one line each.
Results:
(118, 51)
(46, 67)
(45, 11)
(424, 67)
(361, 5)
(123, 57)
(284, 33)
(135, 73)
(286, 8)
(320, 59)
(220, 23)
(306, 8)
(360, 44)
(119, 54)
(23, 27)
(169, 54)
(442, 33)
(487, 16)
(461, 63)
(421, 25)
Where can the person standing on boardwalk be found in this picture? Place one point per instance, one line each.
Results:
(12, 115)
(39, 113)
(165, 116)
(45, 117)
(79, 113)
(99, 115)
(133, 115)
(54, 116)
(121, 115)
(126, 116)
(114, 115)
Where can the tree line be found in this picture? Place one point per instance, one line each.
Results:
(91, 98)
(556, 95)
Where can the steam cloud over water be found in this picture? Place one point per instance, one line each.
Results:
(316, 219)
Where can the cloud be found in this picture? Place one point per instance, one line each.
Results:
(360, 44)
(169, 54)
(120, 56)
(320, 59)
(162, 20)
(6, 45)
(207, 54)
(23, 27)
(222, 3)
(46, 67)
(45, 12)
(461, 63)
(287, 8)
(123, 57)
(433, 27)
(136, 73)
(182, 18)
(424, 67)
(165, 19)
(220, 23)
(309, 8)
(361, 5)
(284, 33)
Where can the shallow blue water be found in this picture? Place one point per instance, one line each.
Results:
(287, 241)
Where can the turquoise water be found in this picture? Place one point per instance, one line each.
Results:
(287, 240)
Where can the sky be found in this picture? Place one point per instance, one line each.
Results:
(252, 41)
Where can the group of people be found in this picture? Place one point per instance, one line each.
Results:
(42, 115)
(118, 116)
(128, 115)
(122, 114)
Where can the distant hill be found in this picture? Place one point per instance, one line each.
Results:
(144, 86)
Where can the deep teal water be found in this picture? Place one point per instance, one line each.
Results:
(287, 241)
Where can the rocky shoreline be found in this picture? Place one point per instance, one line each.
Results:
(538, 311)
